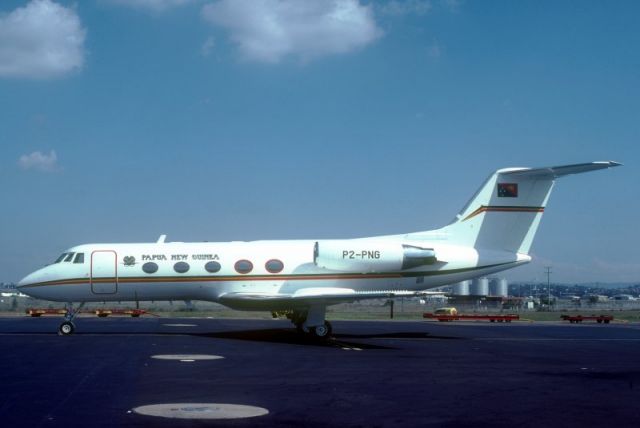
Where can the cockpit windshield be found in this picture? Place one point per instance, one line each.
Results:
(67, 257)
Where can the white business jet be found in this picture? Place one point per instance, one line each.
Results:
(300, 278)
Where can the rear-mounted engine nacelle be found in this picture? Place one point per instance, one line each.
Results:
(370, 256)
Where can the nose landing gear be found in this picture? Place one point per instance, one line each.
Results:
(67, 327)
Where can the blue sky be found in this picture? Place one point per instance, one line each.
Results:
(121, 120)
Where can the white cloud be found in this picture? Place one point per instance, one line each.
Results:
(434, 50)
(152, 5)
(453, 5)
(405, 7)
(208, 46)
(40, 40)
(40, 161)
(271, 30)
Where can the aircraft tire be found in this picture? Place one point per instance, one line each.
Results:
(66, 328)
(322, 331)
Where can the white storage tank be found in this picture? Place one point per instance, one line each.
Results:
(499, 287)
(480, 287)
(461, 288)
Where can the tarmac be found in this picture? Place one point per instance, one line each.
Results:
(117, 371)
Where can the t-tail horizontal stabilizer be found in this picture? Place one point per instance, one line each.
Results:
(505, 213)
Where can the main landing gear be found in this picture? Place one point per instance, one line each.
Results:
(311, 322)
(67, 327)
(321, 331)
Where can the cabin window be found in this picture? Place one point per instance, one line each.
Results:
(79, 258)
(274, 266)
(243, 266)
(69, 257)
(150, 267)
(62, 256)
(181, 267)
(212, 267)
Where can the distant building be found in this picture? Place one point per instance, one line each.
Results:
(624, 297)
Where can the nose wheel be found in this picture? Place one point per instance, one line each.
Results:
(66, 328)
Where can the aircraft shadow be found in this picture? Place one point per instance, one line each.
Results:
(397, 335)
(287, 336)
(292, 337)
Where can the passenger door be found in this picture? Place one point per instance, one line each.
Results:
(104, 272)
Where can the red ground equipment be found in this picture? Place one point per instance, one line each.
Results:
(133, 312)
(36, 312)
(460, 317)
(574, 319)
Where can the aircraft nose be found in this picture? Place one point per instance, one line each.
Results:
(28, 280)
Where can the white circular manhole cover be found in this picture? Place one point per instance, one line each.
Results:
(187, 357)
(201, 411)
(180, 325)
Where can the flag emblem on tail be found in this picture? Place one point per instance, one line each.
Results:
(507, 190)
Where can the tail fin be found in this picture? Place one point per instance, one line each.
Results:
(505, 212)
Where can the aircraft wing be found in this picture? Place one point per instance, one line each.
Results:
(327, 296)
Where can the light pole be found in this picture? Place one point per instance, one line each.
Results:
(548, 270)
